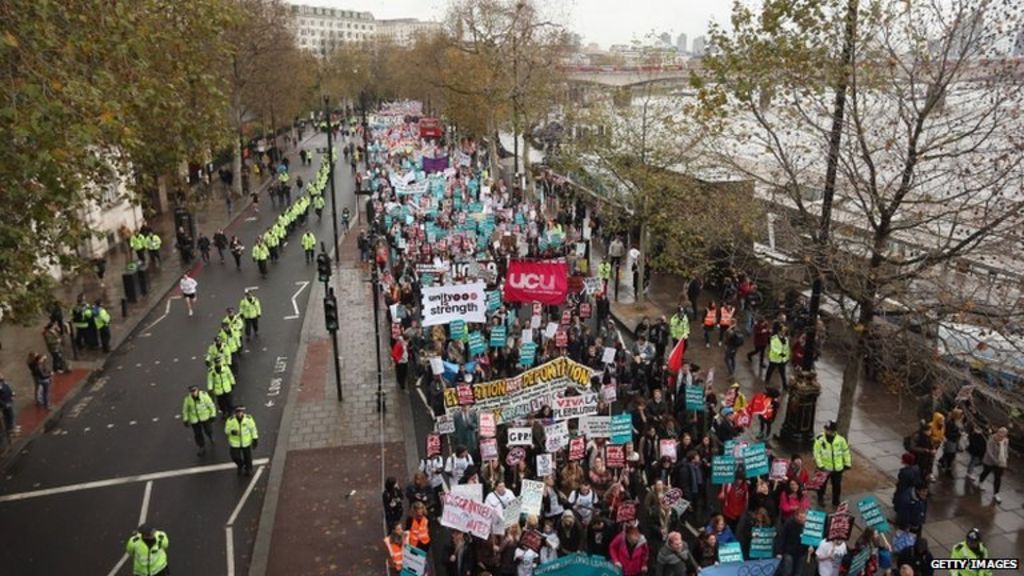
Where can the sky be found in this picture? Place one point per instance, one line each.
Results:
(605, 22)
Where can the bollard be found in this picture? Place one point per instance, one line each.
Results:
(124, 307)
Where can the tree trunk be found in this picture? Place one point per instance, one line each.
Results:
(236, 167)
(855, 362)
(641, 264)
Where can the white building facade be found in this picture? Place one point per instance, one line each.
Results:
(321, 30)
(404, 31)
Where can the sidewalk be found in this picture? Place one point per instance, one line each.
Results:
(17, 341)
(876, 437)
(322, 511)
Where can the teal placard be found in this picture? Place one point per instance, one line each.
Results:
(731, 552)
(872, 514)
(476, 343)
(860, 560)
(527, 354)
(755, 459)
(762, 543)
(493, 300)
(695, 398)
(457, 329)
(723, 469)
(578, 565)
(621, 429)
(498, 337)
(814, 528)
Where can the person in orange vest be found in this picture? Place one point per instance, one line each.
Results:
(710, 321)
(395, 542)
(725, 317)
(417, 527)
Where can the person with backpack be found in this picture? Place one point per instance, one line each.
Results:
(733, 342)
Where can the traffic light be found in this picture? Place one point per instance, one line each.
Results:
(331, 313)
(323, 266)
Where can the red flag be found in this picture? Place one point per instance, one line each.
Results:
(675, 358)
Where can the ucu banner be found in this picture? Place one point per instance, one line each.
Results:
(544, 282)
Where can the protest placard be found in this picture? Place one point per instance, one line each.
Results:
(457, 329)
(723, 469)
(520, 436)
(493, 300)
(592, 285)
(467, 515)
(526, 336)
(498, 336)
(577, 448)
(872, 513)
(626, 511)
(622, 429)
(755, 459)
(436, 365)
(859, 561)
(445, 424)
(489, 449)
(674, 500)
(780, 467)
(816, 481)
(550, 330)
(414, 561)
(814, 528)
(543, 465)
(695, 398)
(512, 513)
(535, 322)
(608, 356)
(476, 344)
(667, 447)
(532, 539)
(596, 426)
(433, 444)
(585, 310)
(445, 304)
(762, 542)
(610, 392)
(538, 308)
(561, 339)
(578, 564)
(474, 492)
(527, 353)
(569, 407)
(556, 436)
(731, 552)
(840, 526)
(616, 456)
(465, 393)
(487, 425)
(515, 455)
(531, 494)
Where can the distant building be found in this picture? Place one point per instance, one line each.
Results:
(681, 43)
(403, 31)
(1018, 45)
(699, 45)
(665, 38)
(321, 30)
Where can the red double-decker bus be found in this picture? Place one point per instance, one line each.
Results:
(431, 128)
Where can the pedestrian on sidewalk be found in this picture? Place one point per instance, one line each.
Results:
(710, 321)
(243, 437)
(137, 242)
(41, 374)
(198, 412)
(188, 286)
(778, 354)
(400, 356)
(951, 445)
(251, 311)
(832, 455)
(392, 499)
(762, 336)
(733, 342)
(236, 252)
(976, 445)
(148, 550)
(153, 243)
(101, 318)
(220, 241)
(7, 406)
(995, 461)
(204, 248)
(55, 346)
(726, 319)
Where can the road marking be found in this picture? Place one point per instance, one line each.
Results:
(295, 305)
(132, 422)
(109, 426)
(125, 480)
(229, 533)
(167, 310)
(252, 218)
(248, 288)
(143, 514)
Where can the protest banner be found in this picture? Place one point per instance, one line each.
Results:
(544, 467)
(498, 337)
(780, 467)
(569, 407)
(755, 459)
(474, 492)
(530, 496)
(626, 511)
(622, 429)
(489, 449)
(616, 456)
(520, 436)
(667, 447)
(544, 282)
(872, 513)
(476, 343)
(578, 564)
(445, 424)
(723, 469)
(414, 561)
(556, 436)
(729, 553)
(765, 567)
(695, 398)
(443, 304)
(487, 426)
(814, 528)
(610, 392)
(512, 398)
(596, 426)
(467, 515)
(433, 444)
(762, 542)
(577, 448)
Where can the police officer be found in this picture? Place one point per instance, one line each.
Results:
(199, 412)
(79, 322)
(220, 381)
(243, 437)
(148, 550)
(153, 243)
(318, 206)
(309, 245)
(832, 455)
(102, 320)
(251, 312)
(970, 549)
(778, 355)
(260, 253)
(138, 243)
(272, 240)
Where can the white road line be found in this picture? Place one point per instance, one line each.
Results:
(425, 403)
(245, 496)
(167, 310)
(229, 532)
(117, 568)
(143, 515)
(229, 539)
(295, 305)
(248, 288)
(125, 480)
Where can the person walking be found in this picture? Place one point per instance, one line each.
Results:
(43, 377)
(101, 318)
(726, 320)
(148, 550)
(153, 244)
(995, 461)
(204, 248)
(137, 242)
(778, 356)
(188, 286)
(309, 246)
(236, 251)
(7, 406)
(762, 336)
(220, 382)
(198, 412)
(832, 455)
(679, 326)
(243, 438)
(55, 346)
(400, 355)
(260, 253)
(251, 311)
(733, 342)
(710, 321)
(220, 241)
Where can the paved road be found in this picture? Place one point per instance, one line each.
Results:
(125, 427)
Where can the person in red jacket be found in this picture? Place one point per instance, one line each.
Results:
(733, 497)
(762, 337)
(629, 551)
(400, 354)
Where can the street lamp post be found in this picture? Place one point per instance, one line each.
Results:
(334, 200)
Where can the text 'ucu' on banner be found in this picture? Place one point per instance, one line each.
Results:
(544, 282)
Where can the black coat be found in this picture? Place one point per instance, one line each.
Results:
(468, 565)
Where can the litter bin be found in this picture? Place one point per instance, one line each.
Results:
(800, 408)
(140, 276)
